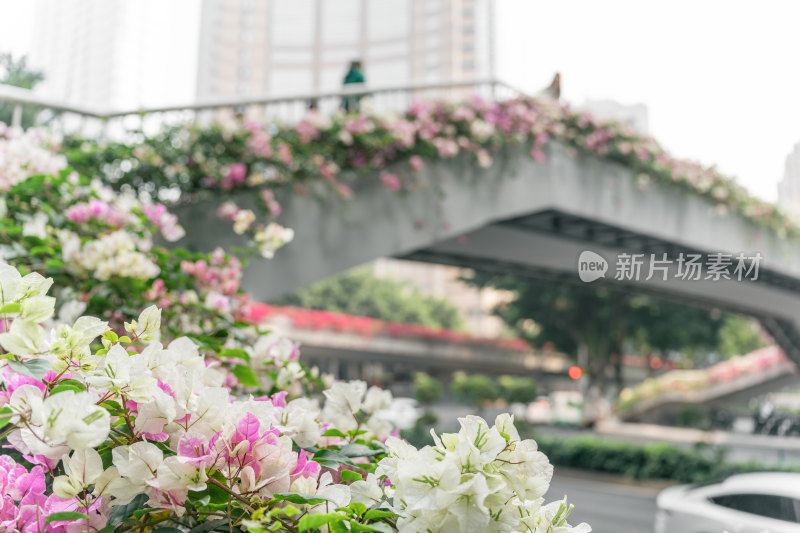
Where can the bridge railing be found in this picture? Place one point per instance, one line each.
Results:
(65, 118)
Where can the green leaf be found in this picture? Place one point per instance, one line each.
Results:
(208, 526)
(349, 475)
(289, 510)
(121, 512)
(358, 508)
(31, 240)
(333, 433)
(65, 516)
(296, 497)
(167, 530)
(380, 527)
(235, 352)
(54, 264)
(5, 413)
(72, 383)
(313, 521)
(332, 458)
(201, 499)
(42, 250)
(112, 407)
(218, 494)
(358, 450)
(35, 368)
(11, 308)
(338, 527)
(374, 514)
(61, 387)
(355, 526)
(245, 375)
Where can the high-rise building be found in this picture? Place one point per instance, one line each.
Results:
(116, 54)
(284, 47)
(789, 186)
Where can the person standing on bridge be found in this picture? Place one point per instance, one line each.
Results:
(354, 78)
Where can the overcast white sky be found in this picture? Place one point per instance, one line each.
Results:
(720, 78)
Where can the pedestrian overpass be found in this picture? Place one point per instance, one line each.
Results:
(723, 384)
(531, 219)
(518, 216)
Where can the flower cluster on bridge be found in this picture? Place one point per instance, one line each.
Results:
(340, 150)
(187, 417)
(761, 361)
(315, 319)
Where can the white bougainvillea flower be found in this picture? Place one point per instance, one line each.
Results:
(300, 422)
(67, 418)
(81, 470)
(22, 338)
(468, 508)
(71, 344)
(125, 374)
(551, 518)
(336, 495)
(270, 238)
(174, 474)
(10, 284)
(137, 464)
(343, 401)
(271, 348)
(34, 284)
(368, 491)
(148, 324)
(376, 399)
(24, 401)
(153, 415)
(36, 226)
(74, 418)
(289, 374)
(37, 308)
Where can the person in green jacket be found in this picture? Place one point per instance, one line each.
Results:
(354, 75)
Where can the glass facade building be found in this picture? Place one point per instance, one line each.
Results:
(284, 47)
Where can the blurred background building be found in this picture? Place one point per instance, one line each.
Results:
(252, 47)
(116, 54)
(474, 304)
(789, 186)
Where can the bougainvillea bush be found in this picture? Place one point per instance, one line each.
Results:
(134, 398)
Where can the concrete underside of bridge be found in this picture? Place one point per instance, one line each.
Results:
(529, 219)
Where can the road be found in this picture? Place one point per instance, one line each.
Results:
(607, 507)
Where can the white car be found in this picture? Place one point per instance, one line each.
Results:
(744, 503)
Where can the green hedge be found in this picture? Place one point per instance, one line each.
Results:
(652, 461)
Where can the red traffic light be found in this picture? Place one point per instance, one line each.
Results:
(575, 372)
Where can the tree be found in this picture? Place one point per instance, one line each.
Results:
(16, 73)
(426, 389)
(597, 320)
(358, 292)
(661, 326)
(518, 389)
(477, 389)
(739, 335)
